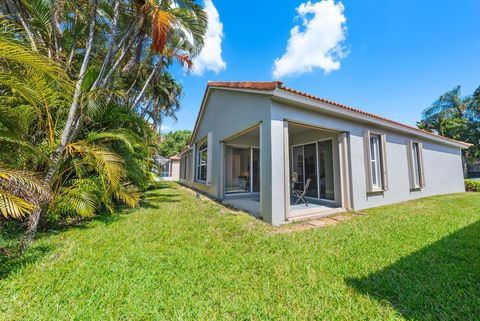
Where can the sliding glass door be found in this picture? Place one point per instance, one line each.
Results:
(304, 166)
(315, 162)
(242, 170)
(325, 156)
(310, 163)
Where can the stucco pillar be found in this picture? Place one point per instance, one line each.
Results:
(344, 160)
(221, 175)
(272, 184)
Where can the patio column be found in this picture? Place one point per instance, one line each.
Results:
(221, 180)
(273, 183)
(344, 156)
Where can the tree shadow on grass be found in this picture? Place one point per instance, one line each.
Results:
(153, 199)
(14, 262)
(11, 233)
(438, 282)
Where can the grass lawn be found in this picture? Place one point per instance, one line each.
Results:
(178, 257)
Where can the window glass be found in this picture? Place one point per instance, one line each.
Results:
(297, 167)
(327, 184)
(416, 164)
(202, 162)
(375, 160)
(237, 170)
(310, 163)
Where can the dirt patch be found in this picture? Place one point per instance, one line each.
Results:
(317, 223)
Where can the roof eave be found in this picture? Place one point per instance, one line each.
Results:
(286, 95)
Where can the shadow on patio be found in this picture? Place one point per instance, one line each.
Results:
(439, 282)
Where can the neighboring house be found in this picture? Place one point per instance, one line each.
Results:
(254, 142)
(174, 168)
(170, 167)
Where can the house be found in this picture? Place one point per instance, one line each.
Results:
(254, 142)
(170, 167)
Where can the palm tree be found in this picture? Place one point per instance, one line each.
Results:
(447, 106)
(456, 117)
(95, 152)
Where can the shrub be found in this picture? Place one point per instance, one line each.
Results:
(472, 186)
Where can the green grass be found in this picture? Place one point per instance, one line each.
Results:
(179, 257)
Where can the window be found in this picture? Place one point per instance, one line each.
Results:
(375, 161)
(376, 166)
(202, 164)
(417, 179)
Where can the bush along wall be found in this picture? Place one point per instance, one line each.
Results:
(472, 186)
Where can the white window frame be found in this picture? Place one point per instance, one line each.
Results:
(199, 163)
(379, 161)
(415, 162)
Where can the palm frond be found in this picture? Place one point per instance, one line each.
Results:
(27, 181)
(105, 162)
(128, 194)
(14, 206)
(124, 136)
(80, 198)
(449, 102)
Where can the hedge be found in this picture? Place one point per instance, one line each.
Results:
(472, 186)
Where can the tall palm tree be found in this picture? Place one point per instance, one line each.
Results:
(103, 54)
(449, 105)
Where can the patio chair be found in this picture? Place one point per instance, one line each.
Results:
(300, 194)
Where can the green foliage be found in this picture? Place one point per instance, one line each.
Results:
(174, 142)
(20, 193)
(472, 185)
(179, 258)
(457, 117)
(84, 89)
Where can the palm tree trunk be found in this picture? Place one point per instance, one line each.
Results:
(72, 113)
(108, 56)
(74, 42)
(124, 51)
(140, 95)
(35, 217)
(54, 32)
(32, 226)
(14, 11)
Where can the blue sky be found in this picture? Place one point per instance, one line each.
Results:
(391, 58)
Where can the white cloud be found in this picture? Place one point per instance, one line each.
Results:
(317, 43)
(165, 128)
(210, 58)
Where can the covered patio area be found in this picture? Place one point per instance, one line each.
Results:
(241, 171)
(314, 171)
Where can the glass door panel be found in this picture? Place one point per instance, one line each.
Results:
(310, 164)
(325, 156)
(237, 170)
(297, 167)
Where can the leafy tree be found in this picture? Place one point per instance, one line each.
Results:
(84, 87)
(457, 117)
(173, 143)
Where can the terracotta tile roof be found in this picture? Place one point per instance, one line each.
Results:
(259, 85)
(272, 85)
